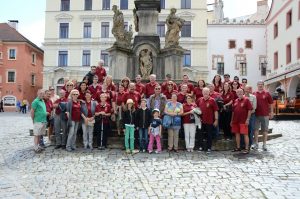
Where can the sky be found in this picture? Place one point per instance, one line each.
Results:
(31, 14)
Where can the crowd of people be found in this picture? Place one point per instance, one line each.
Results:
(97, 103)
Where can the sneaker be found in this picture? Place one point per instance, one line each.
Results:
(150, 152)
(144, 150)
(128, 151)
(57, 147)
(37, 150)
(200, 149)
(254, 146)
(264, 147)
(69, 149)
(157, 152)
(208, 151)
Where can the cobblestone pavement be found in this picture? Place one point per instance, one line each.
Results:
(113, 174)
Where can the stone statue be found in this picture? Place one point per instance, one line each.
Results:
(174, 25)
(136, 20)
(146, 64)
(123, 37)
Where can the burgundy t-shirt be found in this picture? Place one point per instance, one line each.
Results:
(227, 97)
(208, 108)
(104, 108)
(140, 88)
(149, 89)
(186, 108)
(169, 94)
(57, 110)
(264, 99)
(190, 87)
(89, 108)
(181, 97)
(198, 92)
(76, 112)
(101, 73)
(240, 110)
(135, 96)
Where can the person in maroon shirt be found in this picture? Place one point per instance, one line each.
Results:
(125, 82)
(102, 127)
(74, 114)
(118, 110)
(263, 112)
(244, 83)
(227, 78)
(198, 89)
(225, 115)
(49, 109)
(60, 122)
(217, 82)
(181, 96)
(150, 87)
(164, 85)
(185, 80)
(110, 97)
(131, 94)
(82, 90)
(100, 72)
(170, 90)
(235, 85)
(95, 87)
(209, 118)
(70, 87)
(189, 123)
(240, 120)
(139, 86)
(110, 85)
(212, 92)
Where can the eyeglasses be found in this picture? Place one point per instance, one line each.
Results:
(69, 85)
(244, 82)
(157, 89)
(75, 94)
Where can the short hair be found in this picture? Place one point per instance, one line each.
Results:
(88, 91)
(168, 76)
(93, 67)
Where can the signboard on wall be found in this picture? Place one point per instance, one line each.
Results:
(9, 100)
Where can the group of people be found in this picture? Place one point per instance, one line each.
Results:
(97, 103)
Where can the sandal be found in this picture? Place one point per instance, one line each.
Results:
(246, 151)
(236, 150)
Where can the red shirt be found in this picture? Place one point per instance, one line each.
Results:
(57, 110)
(215, 95)
(227, 97)
(218, 88)
(149, 89)
(110, 97)
(164, 86)
(89, 108)
(190, 87)
(240, 110)
(119, 97)
(198, 92)
(106, 108)
(234, 95)
(169, 94)
(49, 105)
(76, 112)
(208, 108)
(94, 90)
(101, 73)
(81, 96)
(111, 87)
(264, 99)
(135, 96)
(140, 88)
(186, 108)
(181, 97)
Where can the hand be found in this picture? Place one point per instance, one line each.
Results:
(215, 123)
(137, 128)
(271, 115)
(247, 122)
(86, 121)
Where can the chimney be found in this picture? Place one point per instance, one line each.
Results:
(13, 24)
(262, 6)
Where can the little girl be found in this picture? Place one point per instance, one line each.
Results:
(155, 131)
(129, 121)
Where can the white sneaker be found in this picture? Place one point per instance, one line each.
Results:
(208, 151)
(254, 146)
(264, 148)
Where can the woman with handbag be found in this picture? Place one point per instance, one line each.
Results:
(189, 123)
(175, 110)
(225, 116)
(88, 108)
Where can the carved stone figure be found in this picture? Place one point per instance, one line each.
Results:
(123, 37)
(174, 25)
(146, 63)
(136, 20)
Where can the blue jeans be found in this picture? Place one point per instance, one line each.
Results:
(143, 138)
(216, 130)
(251, 128)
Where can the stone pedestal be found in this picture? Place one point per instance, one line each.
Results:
(173, 61)
(119, 62)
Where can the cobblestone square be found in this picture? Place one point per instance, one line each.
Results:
(113, 174)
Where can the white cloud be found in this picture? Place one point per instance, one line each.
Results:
(34, 31)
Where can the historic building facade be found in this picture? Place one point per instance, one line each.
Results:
(78, 32)
(238, 46)
(283, 47)
(21, 66)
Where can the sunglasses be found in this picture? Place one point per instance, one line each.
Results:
(157, 89)
(75, 94)
(69, 85)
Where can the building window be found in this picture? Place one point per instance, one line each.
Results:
(63, 58)
(248, 44)
(88, 5)
(298, 48)
(124, 4)
(240, 59)
(220, 68)
(289, 17)
(32, 80)
(275, 60)
(65, 5)
(86, 58)
(162, 4)
(275, 30)
(263, 65)
(185, 4)
(187, 59)
(104, 29)
(243, 69)
(63, 30)
(104, 57)
(33, 58)
(288, 54)
(186, 29)
(11, 76)
(126, 26)
(87, 30)
(161, 31)
(12, 54)
(231, 44)
(215, 60)
(105, 4)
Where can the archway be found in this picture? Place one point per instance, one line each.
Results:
(60, 84)
(292, 89)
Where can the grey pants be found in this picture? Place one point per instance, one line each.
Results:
(87, 135)
(71, 142)
(60, 129)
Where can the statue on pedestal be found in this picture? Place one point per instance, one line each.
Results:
(174, 25)
(123, 37)
(146, 63)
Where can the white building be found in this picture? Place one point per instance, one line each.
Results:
(283, 39)
(78, 32)
(238, 46)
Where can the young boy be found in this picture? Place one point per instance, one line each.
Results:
(154, 131)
